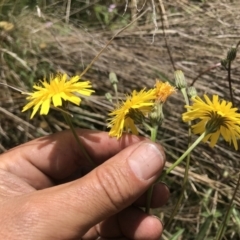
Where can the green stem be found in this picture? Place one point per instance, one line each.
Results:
(149, 198)
(200, 138)
(154, 133)
(184, 93)
(185, 179)
(69, 122)
(186, 153)
(226, 217)
(150, 190)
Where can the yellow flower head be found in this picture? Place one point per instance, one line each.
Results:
(7, 26)
(57, 89)
(163, 90)
(216, 118)
(120, 119)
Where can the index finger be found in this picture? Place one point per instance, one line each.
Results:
(58, 155)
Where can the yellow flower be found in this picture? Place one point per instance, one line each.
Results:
(163, 90)
(216, 118)
(7, 26)
(120, 119)
(58, 88)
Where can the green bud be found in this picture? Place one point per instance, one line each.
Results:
(156, 116)
(113, 79)
(180, 80)
(226, 174)
(192, 92)
(108, 96)
(224, 63)
(232, 53)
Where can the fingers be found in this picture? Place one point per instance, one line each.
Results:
(160, 196)
(58, 156)
(103, 192)
(132, 223)
(138, 225)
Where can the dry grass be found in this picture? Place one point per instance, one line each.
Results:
(199, 36)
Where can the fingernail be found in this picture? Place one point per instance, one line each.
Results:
(146, 161)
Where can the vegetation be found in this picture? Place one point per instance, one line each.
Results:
(194, 36)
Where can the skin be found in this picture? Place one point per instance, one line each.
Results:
(49, 191)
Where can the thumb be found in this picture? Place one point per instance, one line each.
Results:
(103, 192)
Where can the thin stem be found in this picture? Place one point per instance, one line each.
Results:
(154, 133)
(110, 41)
(69, 122)
(162, 12)
(223, 225)
(150, 190)
(149, 198)
(205, 71)
(185, 179)
(116, 96)
(200, 138)
(14, 88)
(68, 11)
(186, 153)
(148, 127)
(184, 93)
(230, 82)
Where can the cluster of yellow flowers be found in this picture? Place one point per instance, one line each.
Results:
(142, 101)
(217, 117)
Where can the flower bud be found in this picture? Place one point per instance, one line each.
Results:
(113, 79)
(180, 80)
(232, 53)
(192, 92)
(156, 116)
(108, 96)
(224, 63)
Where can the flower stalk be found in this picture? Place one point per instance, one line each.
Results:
(154, 130)
(199, 139)
(185, 179)
(69, 122)
(189, 150)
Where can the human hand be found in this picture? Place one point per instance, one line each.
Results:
(42, 196)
